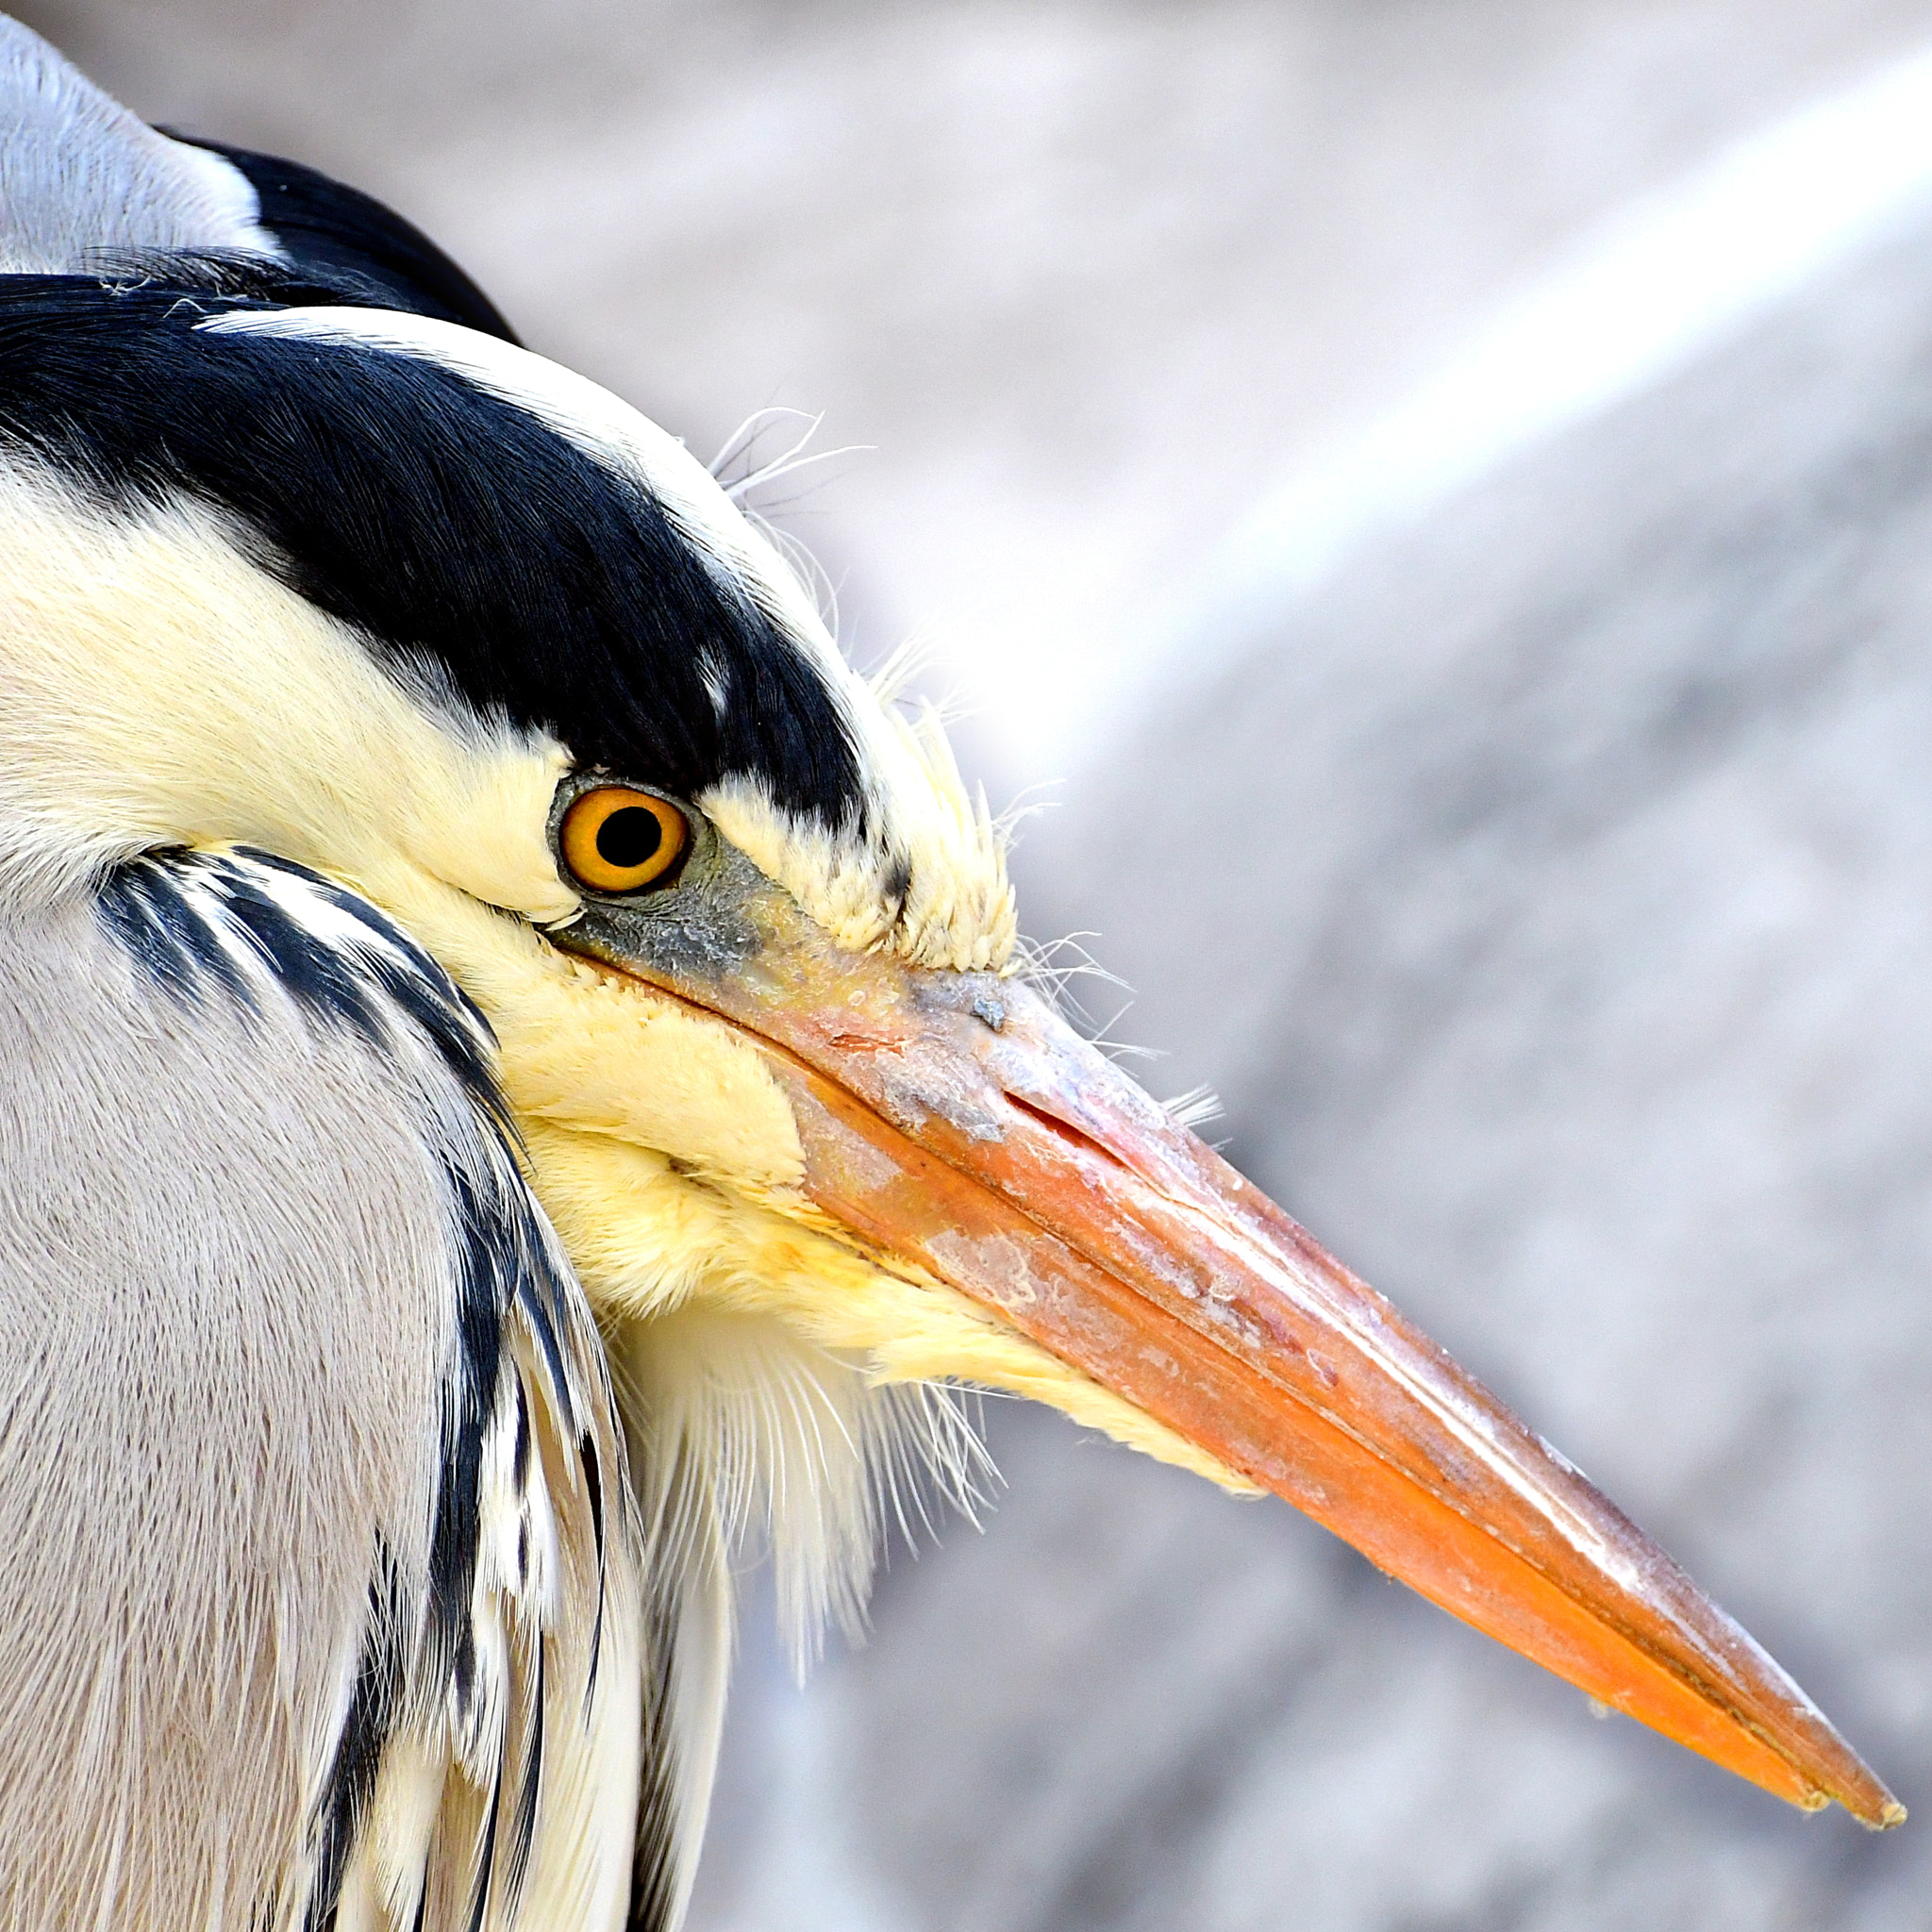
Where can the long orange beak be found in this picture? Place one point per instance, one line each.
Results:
(953, 1121)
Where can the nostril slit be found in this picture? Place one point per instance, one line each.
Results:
(1070, 1134)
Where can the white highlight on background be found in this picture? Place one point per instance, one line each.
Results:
(1640, 297)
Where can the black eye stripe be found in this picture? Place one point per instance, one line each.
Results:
(629, 838)
(438, 520)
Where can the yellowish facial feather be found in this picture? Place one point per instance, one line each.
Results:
(958, 911)
(646, 1240)
(157, 688)
(585, 1048)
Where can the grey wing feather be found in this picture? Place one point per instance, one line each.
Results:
(83, 180)
(309, 1472)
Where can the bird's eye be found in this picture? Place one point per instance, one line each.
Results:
(615, 840)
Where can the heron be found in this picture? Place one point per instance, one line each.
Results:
(519, 1064)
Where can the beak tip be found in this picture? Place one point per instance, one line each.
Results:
(1868, 1802)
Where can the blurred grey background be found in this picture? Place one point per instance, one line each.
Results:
(1441, 491)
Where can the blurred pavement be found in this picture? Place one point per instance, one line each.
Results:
(1553, 901)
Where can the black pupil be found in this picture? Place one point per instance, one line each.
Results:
(629, 838)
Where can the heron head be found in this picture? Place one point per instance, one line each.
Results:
(409, 606)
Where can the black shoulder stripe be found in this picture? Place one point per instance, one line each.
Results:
(325, 225)
(441, 523)
(523, 1823)
(342, 1804)
(201, 920)
(143, 907)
